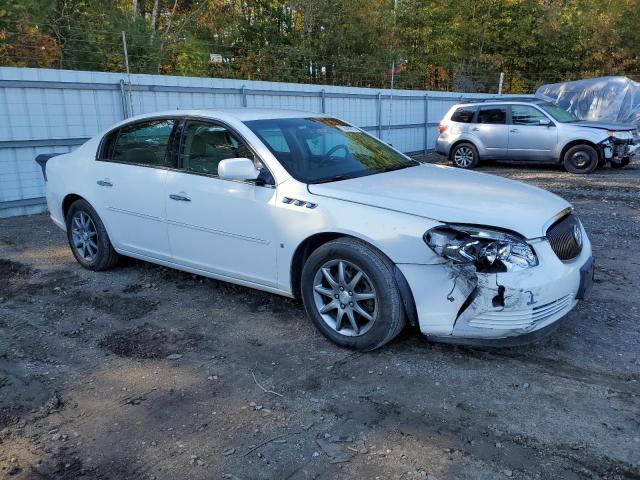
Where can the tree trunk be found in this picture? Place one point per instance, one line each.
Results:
(154, 19)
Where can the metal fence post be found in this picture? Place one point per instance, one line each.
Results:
(243, 91)
(322, 101)
(123, 96)
(379, 112)
(426, 123)
(126, 60)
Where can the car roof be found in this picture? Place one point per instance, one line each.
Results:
(241, 113)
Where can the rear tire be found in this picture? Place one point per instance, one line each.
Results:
(354, 286)
(88, 238)
(581, 159)
(465, 155)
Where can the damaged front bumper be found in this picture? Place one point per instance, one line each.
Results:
(456, 304)
(617, 151)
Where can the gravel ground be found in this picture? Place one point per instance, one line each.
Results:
(144, 372)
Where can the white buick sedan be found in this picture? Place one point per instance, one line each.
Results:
(308, 206)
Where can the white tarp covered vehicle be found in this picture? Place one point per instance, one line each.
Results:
(604, 99)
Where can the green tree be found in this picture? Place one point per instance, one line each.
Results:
(435, 44)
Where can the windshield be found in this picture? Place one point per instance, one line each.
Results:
(558, 113)
(316, 150)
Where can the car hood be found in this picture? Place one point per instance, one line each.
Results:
(452, 195)
(604, 125)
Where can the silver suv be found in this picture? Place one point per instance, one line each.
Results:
(531, 130)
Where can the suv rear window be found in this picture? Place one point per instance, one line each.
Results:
(492, 115)
(463, 114)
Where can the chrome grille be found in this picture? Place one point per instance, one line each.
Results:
(563, 238)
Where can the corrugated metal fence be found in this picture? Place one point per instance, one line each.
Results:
(45, 110)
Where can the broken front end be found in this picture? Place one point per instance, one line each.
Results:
(618, 148)
(497, 288)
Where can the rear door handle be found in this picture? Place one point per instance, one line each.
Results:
(514, 130)
(475, 129)
(105, 183)
(179, 198)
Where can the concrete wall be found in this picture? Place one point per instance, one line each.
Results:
(44, 110)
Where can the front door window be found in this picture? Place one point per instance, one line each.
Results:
(205, 145)
(526, 115)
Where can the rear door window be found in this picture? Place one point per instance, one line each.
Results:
(107, 145)
(143, 143)
(463, 115)
(492, 115)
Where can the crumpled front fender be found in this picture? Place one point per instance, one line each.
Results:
(457, 301)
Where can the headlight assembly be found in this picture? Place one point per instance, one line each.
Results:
(490, 250)
(621, 135)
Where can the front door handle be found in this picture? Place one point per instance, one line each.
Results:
(514, 130)
(179, 198)
(475, 129)
(105, 183)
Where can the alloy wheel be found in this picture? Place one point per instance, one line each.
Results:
(345, 297)
(84, 236)
(463, 157)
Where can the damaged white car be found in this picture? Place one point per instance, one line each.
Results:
(308, 206)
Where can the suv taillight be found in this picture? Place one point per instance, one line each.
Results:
(442, 128)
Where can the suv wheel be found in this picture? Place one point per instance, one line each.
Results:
(350, 293)
(88, 238)
(581, 159)
(465, 155)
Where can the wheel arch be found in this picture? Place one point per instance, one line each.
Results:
(458, 142)
(315, 241)
(67, 201)
(303, 251)
(580, 141)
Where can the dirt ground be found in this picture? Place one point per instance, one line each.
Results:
(148, 373)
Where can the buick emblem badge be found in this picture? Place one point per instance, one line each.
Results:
(577, 235)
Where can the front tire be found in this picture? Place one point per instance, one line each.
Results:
(350, 293)
(88, 238)
(465, 155)
(581, 159)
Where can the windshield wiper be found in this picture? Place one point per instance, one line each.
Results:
(342, 176)
(366, 173)
(335, 178)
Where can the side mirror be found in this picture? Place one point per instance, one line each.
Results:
(241, 169)
(545, 122)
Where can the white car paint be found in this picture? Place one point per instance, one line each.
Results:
(245, 234)
(435, 191)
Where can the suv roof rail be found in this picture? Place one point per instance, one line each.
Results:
(500, 99)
